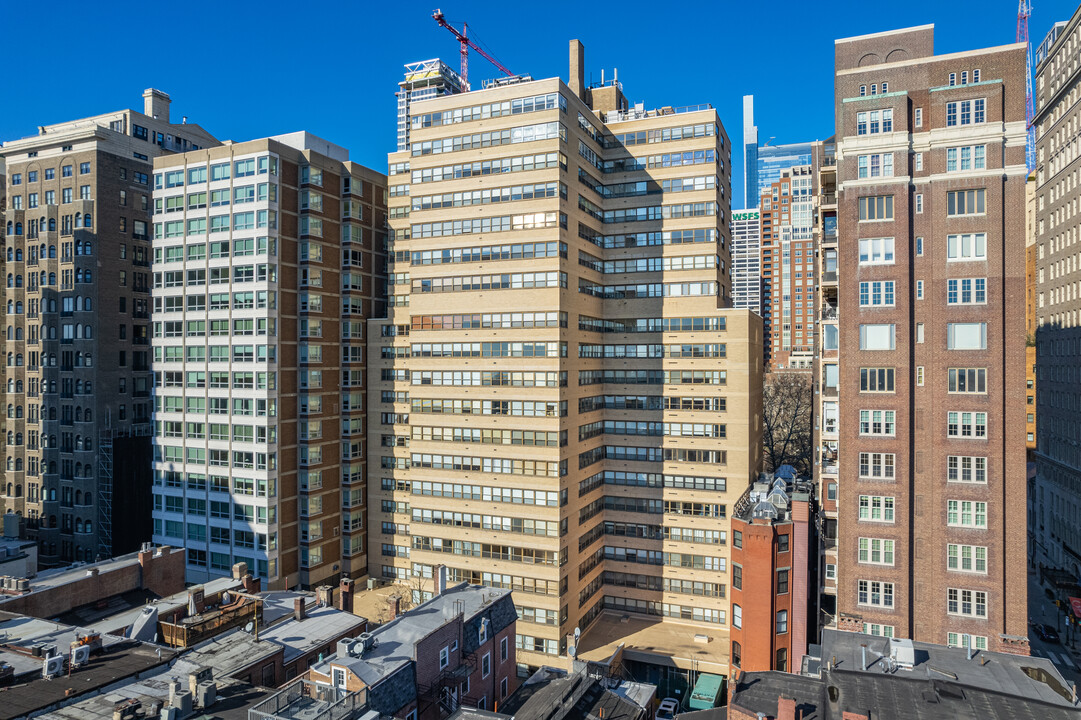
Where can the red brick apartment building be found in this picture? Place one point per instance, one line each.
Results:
(931, 214)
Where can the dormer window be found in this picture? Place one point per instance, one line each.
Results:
(482, 632)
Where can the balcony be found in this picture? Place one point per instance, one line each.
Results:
(829, 277)
(829, 312)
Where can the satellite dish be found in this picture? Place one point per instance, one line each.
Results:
(577, 634)
(249, 627)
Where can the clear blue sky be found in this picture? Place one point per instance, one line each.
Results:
(247, 70)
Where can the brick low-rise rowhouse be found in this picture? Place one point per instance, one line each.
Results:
(931, 214)
(268, 260)
(774, 576)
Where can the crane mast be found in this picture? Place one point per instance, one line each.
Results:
(465, 43)
(1024, 10)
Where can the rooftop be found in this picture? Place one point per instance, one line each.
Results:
(116, 660)
(320, 626)
(651, 640)
(552, 694)
(229, 653)
(396, 640)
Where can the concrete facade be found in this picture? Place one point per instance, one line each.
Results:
(566, 404)
(259, 447)
(931, 248)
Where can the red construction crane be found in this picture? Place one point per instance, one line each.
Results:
(466, 43)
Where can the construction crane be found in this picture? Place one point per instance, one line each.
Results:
(466, 43)
(1024, 10)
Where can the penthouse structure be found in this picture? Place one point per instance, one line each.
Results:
(77, 303)
(566, 404)
(931, 217)
(268, 260)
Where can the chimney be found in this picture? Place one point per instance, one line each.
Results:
(395, 606)
(325, 595)
(240, 569)
(440, 579)
(345, 595)
(298, 609)
(252, 585)
(786, 709)
(156, 104)
(577, 70)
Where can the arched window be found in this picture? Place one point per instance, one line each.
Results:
(89, 332)
(18, 281)
(52, 278)
(18, 491)
(11, 280)
(10, 333)
(11, 463)
(11, 359)
(11, 227)
(88, 221)
(52, 251)
(78, 416)
(11, 410)
(18, 438)
(52, 224)
(11, 307)
(11, 489)
(86, 415)
(18, 307)
(78, 220)
(88, 497)
(18, 359)
(78, 494)
(86, 275)
(78, 525)
(18, 464)
(18, 411)
(18, 254)
(86, 251)
(87, 304)
(11, 251)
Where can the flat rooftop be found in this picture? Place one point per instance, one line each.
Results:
(653, 641)
(117, 660)
(319, 627)
(575, 695)
(116, 614)
(228, 653)
(1019, 675)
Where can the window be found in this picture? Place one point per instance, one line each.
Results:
(962, 468)
(919, 289)
(970, 157)
(966, 112)
(877, 337)
(919, 375)
(874, 122)
(876, 379)
(875, 551)
(966, 202)
(970, 603)
(876, 508)
(968, 380)
(919, 332)
(877, 422)
(966, 424)
(876, 251)
(444, 657)
(966, 558)
(486, 665)
(875, 165)
(966, 291)
(875, 593)
(876, 207)
(782, 543)
(878, 293)
(966, 513)
(966, 336)
(84, 168)
(919, 117)
(737, 577)
(919, 166)
(782, 622)
(919, 203)
(782, 582)
(737, 617)
(964, 640)
(919, 246)
(878, 630)
(503, 650)
(877, 465)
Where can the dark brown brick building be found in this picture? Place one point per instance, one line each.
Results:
(931, 214)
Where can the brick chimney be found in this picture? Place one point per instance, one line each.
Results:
(252, 585)
(395, 602)
(345, 595)
(325, 595)
(298, 609)
(240, 569)
(576, 78)
(786, 709)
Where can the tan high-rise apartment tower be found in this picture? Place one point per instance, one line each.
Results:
(565, 402)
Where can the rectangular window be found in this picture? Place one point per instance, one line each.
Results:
(966, 291)
(968, 380)
(876, 251)
(966, 336)
(877, 337)
(877, 465)
(875, 593)
(970, 157)
(878, 422)
(875, 165)
(966, 425)
(963, 468)
(876, 380)
(969, 603)
(967, 558)
(876, 508)
(966, 112)
(875, 551)
(919, 203)
(876, 207)
(877, 293)
(966, 513)
(919, 117)
(966, 202)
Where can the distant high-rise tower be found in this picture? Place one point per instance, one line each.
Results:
(424, 80)
(750, 154)
(746, 260)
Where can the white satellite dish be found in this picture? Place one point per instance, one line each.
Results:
(249, 627)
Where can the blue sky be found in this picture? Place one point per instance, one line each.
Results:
(245, 71)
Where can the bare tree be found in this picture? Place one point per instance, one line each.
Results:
(787, 405)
